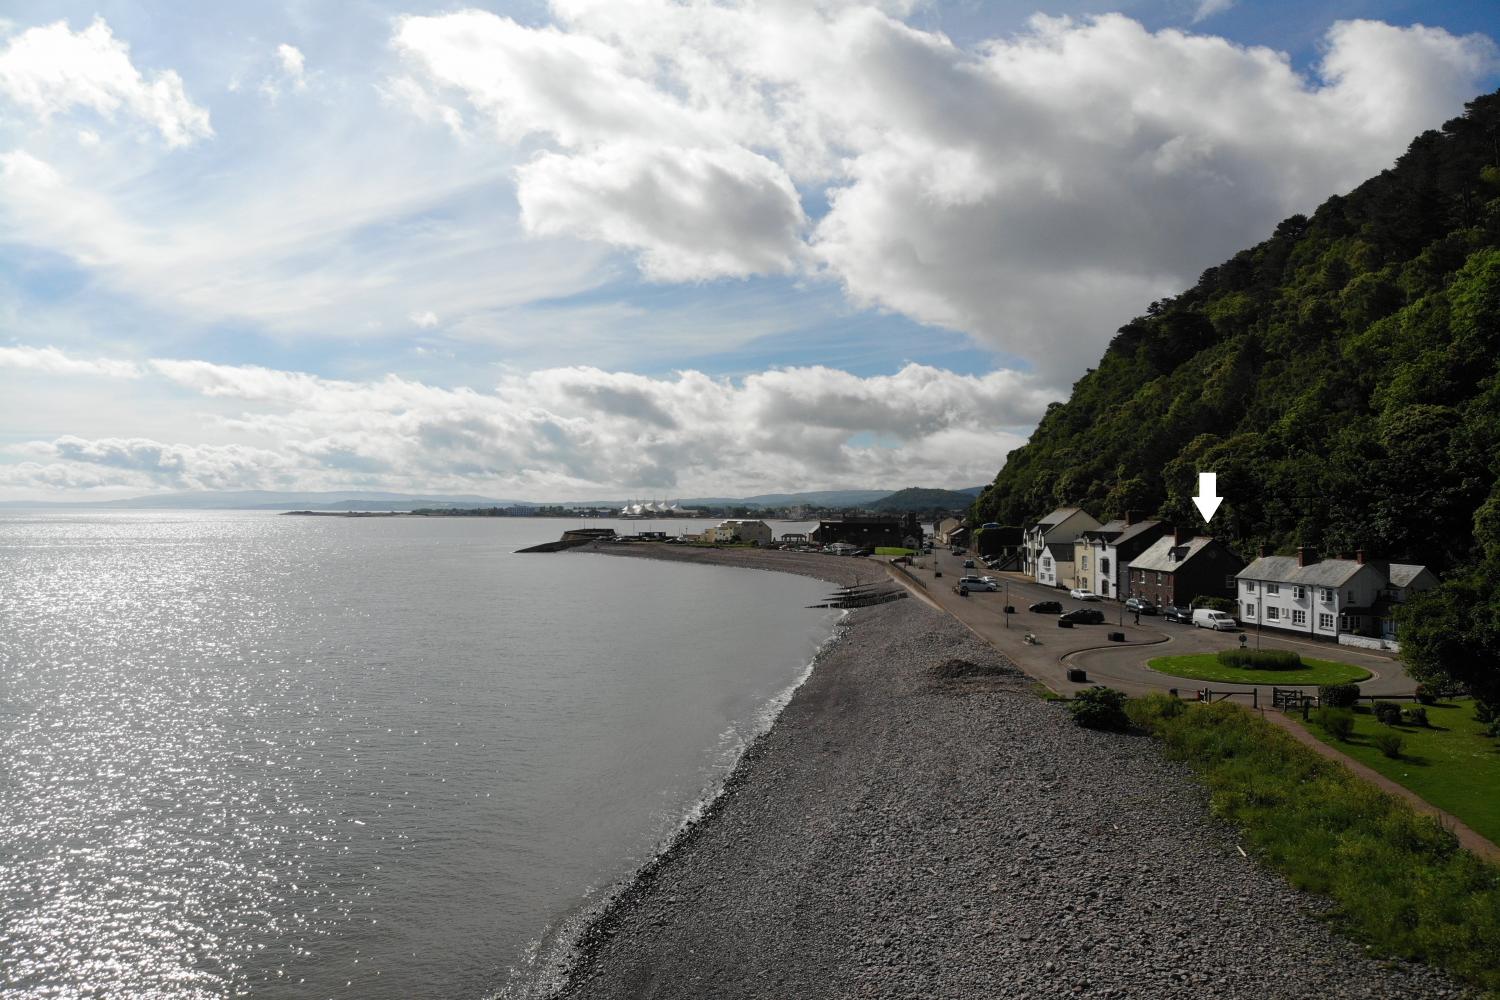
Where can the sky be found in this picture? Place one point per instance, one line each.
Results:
(587, 249)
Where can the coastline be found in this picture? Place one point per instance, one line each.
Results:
(916, 823)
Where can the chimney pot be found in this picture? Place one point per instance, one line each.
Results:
(1261, 552)
(1359, 556)
(1180, 536)
(1306, 556)
(1131, 517)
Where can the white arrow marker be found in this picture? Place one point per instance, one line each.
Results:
(1208, 498)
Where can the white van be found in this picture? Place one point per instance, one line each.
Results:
(1218, 620)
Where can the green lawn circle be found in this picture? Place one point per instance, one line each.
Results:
(1206, 667)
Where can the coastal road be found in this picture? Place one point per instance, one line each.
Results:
(1118, 665)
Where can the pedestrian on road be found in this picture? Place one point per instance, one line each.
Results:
(1137, 617)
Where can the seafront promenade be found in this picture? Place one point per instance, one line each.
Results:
(918, 823)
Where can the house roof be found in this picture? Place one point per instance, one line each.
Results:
(1284, 569)
(1135, 530)
(1159, 558)
(1061, 551)
(1057, 517)
(1402, 574)
(1105, 532)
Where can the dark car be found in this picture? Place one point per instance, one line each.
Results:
(1047, 607)
(1178, 613)
(1143, 605)
(1083, 616)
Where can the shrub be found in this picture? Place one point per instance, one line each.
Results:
(1261, 659)
(1223, 604)
(1388, 712)
(1416, 716)
(1426, 695)
(1100, 708)
(1338, 695)
(1337, 722)
(1389, 744)
(1153, 710)
(1483, 712)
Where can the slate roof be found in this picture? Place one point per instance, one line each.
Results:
(1158, 558)
(1284, 569)
(1402, 574)
(1057, 517)
(1108, 532)
(1061, 551)
(1134, 530)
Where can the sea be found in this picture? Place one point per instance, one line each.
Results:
(251, 754)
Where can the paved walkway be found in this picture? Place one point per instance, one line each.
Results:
(1123, 665)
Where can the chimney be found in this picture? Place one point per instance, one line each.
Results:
(1306, 556)
(1131, 517)
(1359, 556)
(1262, 552)
(1180, 536)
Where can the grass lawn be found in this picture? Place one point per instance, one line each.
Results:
(891, 550)
(1206, 667)
(1452, 765)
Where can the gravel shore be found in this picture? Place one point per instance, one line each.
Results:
(918, 823)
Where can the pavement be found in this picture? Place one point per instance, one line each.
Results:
(1119, 665)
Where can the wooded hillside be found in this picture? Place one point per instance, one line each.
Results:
(1340, 378)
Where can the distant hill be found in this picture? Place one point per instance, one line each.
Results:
(1341, 379)
(917, 499)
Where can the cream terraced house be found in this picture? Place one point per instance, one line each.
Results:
(1102, 555)
(758, 532)
(1327, 598)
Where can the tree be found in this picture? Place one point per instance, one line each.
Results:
(1451, 635)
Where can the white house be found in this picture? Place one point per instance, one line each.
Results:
(1327, 597)
(944, 529)
(1055, 565)
(1061, 527)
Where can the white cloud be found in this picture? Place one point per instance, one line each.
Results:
(51, 361)
(53, 70)
(1034, 191)
(426, 319)
(1209, 8)
(562, 433)
(292, 62)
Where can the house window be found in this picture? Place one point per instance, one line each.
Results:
(1249, 586)
(1325, 622)
(1046, 562)
(1299, 617)
(1085, 563)
(1158, 579)
(1300, 594)
(1327, 596)
(1273, 613)
(1273, 588)
(1249, 610)
(1104, 565)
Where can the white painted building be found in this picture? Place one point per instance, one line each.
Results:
(1327, 597)
(1102, 555)
(758, 532)
(1061, 527)
(1055, 565)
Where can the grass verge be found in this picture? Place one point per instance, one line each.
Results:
(1449, 762)
(1399, 881)
(1206, 667)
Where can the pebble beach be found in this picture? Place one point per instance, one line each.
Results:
(919, 822)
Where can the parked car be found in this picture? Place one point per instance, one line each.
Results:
(1142, 605)
(1047, 607)
(1177, 613)
(968, 564)
(1220, 621)
(1083, 616)
(978, 583)
(1083, 594)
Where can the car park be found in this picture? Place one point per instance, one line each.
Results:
(1047, 607)
(1083, 594)
(1142, 605)
(1082, 616)
(1178, 613)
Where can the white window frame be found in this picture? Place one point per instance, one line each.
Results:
(1249, 609)
(1327, 595)
(1273, 613)
(1273, 588)
(1299, 617)
(1249, 586)
(1325, 620)
(1299, 593)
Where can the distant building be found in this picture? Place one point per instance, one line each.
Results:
(750, 532)
(1328, 597)
(942, 532)
(870, 531)
(1063, 525)
(1179, 569)
(793, 538)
